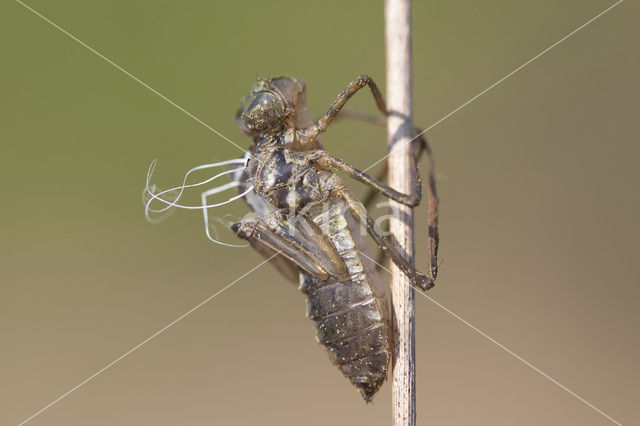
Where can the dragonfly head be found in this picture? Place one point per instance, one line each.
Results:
(271, 102)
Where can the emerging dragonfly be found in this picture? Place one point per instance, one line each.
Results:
(311, 226)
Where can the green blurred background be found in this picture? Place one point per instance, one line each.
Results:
(540, 210)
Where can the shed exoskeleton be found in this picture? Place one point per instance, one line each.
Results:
(313, 224)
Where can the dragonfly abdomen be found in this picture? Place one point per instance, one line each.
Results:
(350, 316)
(350, 325)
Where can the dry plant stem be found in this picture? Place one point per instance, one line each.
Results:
(401, 167)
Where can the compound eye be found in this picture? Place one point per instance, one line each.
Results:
(265, 112)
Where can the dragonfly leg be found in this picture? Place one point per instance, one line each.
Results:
(357, 209)
(420, 146)
(325, 160)
(356, 84)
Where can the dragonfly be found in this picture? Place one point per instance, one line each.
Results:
(310, 226)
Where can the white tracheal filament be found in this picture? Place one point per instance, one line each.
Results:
(170, 197)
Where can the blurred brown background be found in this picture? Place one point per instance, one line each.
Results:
(539, 192)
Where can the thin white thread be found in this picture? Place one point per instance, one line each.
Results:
(497, 82)
(149, 195)
(146, 340)
(236, 197)
(184, 185)
(153, 196)
(518, 357)
(205, 213)
(145, 85)
(215, 230)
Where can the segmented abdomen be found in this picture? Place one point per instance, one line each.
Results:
(350, 317)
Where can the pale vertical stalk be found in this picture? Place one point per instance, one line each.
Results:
(399, 127)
